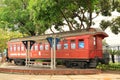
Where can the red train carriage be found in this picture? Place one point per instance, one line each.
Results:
(80, 49)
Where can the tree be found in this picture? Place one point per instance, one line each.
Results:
(36, 16)
(113, 24)
(15, 16)
(6, 36)
(118, 52)
(113, 53)
(57, 12)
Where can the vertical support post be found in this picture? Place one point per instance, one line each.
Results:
(54, 53)
(28, 53)
(53, 41)
(51, 58)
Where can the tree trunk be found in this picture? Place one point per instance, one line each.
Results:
(113, 58)
(90, 14)
(66, 20)
(51, 30)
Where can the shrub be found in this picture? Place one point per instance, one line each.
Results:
(111, 66)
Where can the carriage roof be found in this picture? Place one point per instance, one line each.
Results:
(91, 31)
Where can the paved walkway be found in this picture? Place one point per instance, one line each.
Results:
(4, 76)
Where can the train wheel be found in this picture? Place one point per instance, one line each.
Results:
(86, 65)
(68, 64)
(19, 62)
(83, 65)
(93, 63)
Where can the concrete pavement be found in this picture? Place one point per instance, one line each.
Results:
(103, 76)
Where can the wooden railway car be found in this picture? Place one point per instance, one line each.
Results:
(77, 48)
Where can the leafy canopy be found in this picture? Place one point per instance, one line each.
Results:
(6, 36)
(34, 17)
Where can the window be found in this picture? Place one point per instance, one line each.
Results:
(31, 48)
(73, 45)
(14, 48)
(95, 44)
(18, 47)
(58, 46)
(65, 44)
(41, 46)
(22, 48)
(36, 47)
(81, 44)
(10, 47)
(46, 47)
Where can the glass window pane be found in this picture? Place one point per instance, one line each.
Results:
(41, 47)
(14, 47)
(22, 48)
(46, 47)
(58, 46)
(10, 47)
(65, 46)
(18, 47)
(81, 44)
(36, 47)
(73, 45)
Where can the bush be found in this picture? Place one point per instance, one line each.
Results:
(111, 66)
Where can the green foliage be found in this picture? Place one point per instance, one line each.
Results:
(34, 17)
(112, 52)
(15, 16)
(105, 7)
(114, 25)
(104, 43)
(102, 67)
(6, 36)
(111, 66)
(117, 5)
(104, 24)
(38, 60)
(118, 52)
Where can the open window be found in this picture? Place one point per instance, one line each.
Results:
(81, 43)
